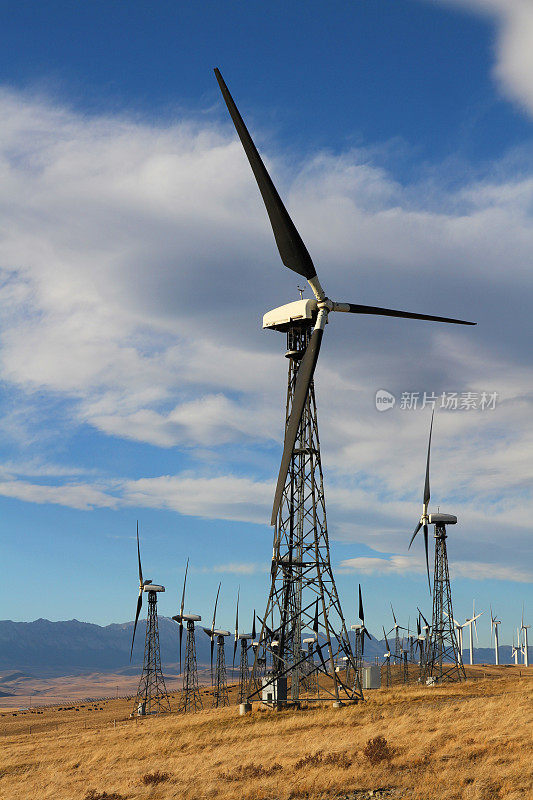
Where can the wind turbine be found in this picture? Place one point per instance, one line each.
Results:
(494, 629)
(301, 565)
(151, 694)
(472, 622)
(442, 646)
(387, 656)
(360, 633)
(398, 645)
(211, 631)
(516, 648)
(524, 628)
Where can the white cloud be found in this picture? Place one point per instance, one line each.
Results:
(514, 45)
(137, 261)
(401, 565)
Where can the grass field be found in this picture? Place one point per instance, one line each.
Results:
(472, 740)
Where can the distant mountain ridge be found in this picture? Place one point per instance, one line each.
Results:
(43, 648)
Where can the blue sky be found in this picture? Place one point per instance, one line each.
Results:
(137, 261)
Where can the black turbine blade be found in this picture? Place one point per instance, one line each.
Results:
(236, 628)
(361, 612)
(315, 621)
(253, 629)
(215, 609)
(390, 312)
(319, 651)
(386, 641)
(426, 545)
(423, 617)
(139, 557)
(414, 534)
(393, 616)
(139, 606)
(291, 248)
(182, 607)
(301, 388)
(418, 626)
(427, 493)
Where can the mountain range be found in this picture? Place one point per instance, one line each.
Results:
(45, 649)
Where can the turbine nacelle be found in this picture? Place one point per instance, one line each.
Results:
(152, 587)
(442, 519)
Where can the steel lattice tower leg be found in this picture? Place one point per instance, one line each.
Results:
(152, 691)
(244, 671)
(443, 661)
(220, 689)
(301, 569)
(190, 699)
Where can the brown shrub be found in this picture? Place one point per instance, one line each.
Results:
(377, 750)
(151, 778)
(92, 794)
(250, 771)
(342, 760)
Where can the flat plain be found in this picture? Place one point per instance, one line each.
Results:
(471, 740)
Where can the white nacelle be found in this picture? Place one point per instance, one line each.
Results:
(310, 641)
(191, 618)
(355, 627)
(280, 318)
(153, 587)
(221, 633)
(442, 519)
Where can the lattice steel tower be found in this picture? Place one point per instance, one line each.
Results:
(301, 570)
(220, 684)
(443, 661)
(190, 699)
(152, 691)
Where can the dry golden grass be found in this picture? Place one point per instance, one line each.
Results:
(471, 741)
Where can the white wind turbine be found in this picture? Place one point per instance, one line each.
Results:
(472, 622)
(494, 628)
(516, 649)
(525, 652)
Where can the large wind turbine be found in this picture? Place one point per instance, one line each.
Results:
(301, 567)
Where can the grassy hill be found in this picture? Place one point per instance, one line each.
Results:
(471, 741)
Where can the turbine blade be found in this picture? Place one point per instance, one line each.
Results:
(393, 616)
(236, 628)
(215, 609)
(389, 312)
(291, 248)
(212, 648)
(139, 557)
(426, 545)
(253, 629)
(426, 484)
(301, 389)
(315, 621)
(361, 611)
(139, 606)
(181, 637)
(183, 593)
(414, 534)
